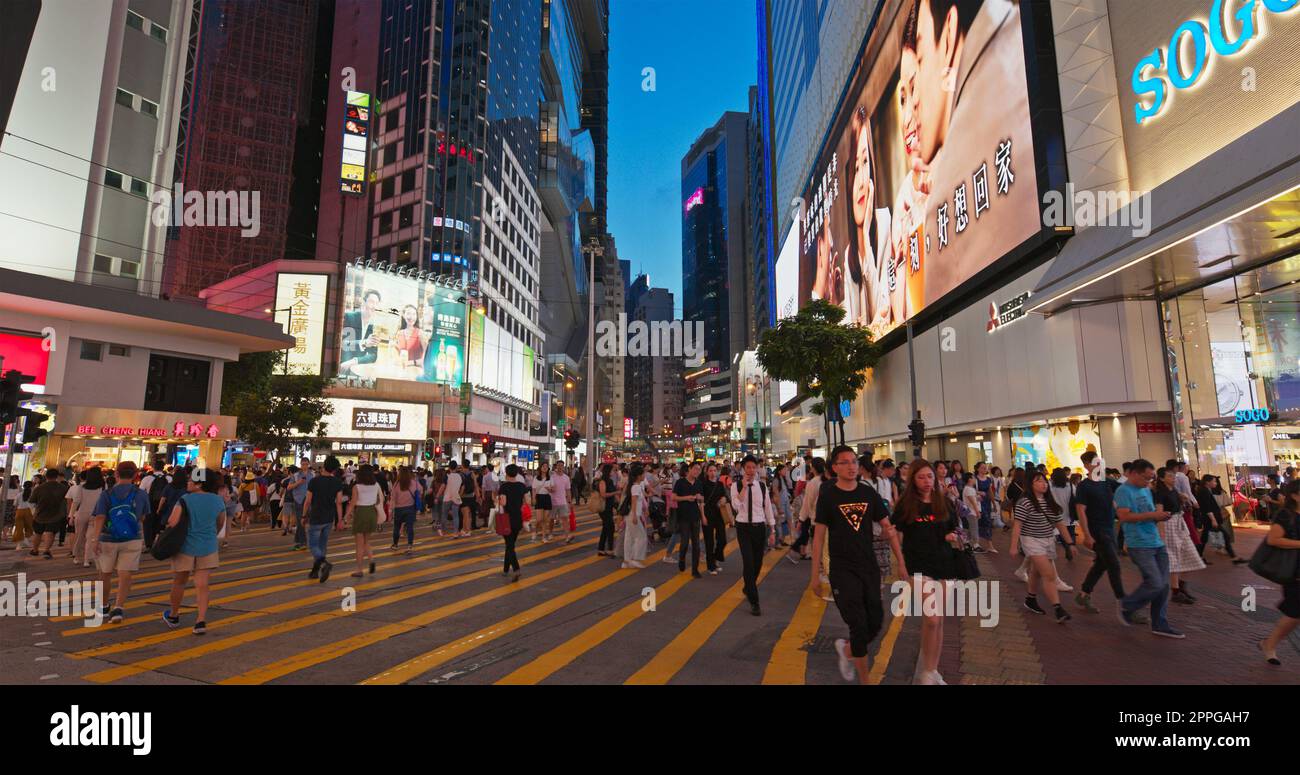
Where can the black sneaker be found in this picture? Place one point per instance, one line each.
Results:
(315, 570)
(1032, 604)
(695, 574)
(1062, 615)
(171, 621)
(755, 610)
(117, 616)
(372, 569)
(325, 568)
(200, 628)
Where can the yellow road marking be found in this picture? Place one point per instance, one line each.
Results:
(789, 662)
(331, 651)
(881, 662)
(333, 594)
(561, 656)
(673, 657)
(123, 671)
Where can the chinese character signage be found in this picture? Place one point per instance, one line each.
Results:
(929, 175)
(401, 327)
(365, 419)
(300, 307)
(356, 132)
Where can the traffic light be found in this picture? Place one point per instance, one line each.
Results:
(489, 446)
(437, 450)
(32, 430)
(12, 395)
(917, 435)
(428, 449)
(571, 438)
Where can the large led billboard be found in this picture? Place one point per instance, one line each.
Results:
(356, 130)
(787, 296)
(929, 172)
(401, 327)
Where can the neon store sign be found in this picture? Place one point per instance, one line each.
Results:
(1186, 59)
(695, 199)
(180, 429)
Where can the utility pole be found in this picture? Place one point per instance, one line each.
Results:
(916, 427)
(593, 250)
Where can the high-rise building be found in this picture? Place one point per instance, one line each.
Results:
(807, 51)
(91, 146)
(611, 365)
(714, 189)
(653, 395)
(760, 260)
(256, 89)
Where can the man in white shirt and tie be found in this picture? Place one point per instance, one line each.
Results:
(752, 504)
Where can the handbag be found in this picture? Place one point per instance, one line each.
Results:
(168, 543)
(964, 564)
(727, 516)
(502, 521)
(1276, 564)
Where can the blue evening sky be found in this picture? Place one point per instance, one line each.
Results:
(705, 57)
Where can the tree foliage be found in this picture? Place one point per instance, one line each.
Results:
(274, 410)
(826, 359)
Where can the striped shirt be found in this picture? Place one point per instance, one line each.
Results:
(1034, 522)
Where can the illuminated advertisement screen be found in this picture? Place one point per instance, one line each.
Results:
(929, 175)
(356, 131)
(300, 307)
(27, 353)
(787, 297)
(401, 328)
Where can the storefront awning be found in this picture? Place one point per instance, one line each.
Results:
(1213, 219)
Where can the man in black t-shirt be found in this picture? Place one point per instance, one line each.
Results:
(324, 508)
(1094, 506)
(690, 494)
(846, 510)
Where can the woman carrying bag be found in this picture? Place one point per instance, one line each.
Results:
(1282, 545)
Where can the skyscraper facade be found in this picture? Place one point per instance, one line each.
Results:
(714, 189)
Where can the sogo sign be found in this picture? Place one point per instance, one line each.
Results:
(1187, 57)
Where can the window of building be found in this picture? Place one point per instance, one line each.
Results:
(125, 99)
(408, 181)
(139, 188)
(385, 223)
(119, 350)
(157, 32)
(148, 108)
(390, 153)
(176, 384)
(92, 351)
(405, 217)
(390, 121)
(386, 190)
(113, 179)
(129, 268)
(134, 20)
(103, 264)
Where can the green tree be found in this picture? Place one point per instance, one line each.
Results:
(826, 359)
(274, 410)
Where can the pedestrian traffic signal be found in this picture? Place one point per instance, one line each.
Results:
(917, 429)
(571, 438)
(489, 446)
(12, 395)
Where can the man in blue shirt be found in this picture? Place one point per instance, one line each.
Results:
(1139, 516)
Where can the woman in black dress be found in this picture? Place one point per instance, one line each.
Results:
(606, 491)
(928, 529)
(511, 497)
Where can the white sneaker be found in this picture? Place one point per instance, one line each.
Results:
(847, 670)
(635, 564)
(1023, 575)
(669, 560)
(930, 678)
(1061, 585)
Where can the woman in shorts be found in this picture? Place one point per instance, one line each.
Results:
(199, 553)
(1038, 518)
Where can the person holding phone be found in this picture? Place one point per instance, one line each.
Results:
(1140, 517)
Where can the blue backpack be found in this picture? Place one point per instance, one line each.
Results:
(123, 524)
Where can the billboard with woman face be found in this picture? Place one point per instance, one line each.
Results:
(929, 175)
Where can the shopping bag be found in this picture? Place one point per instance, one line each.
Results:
(573, 520)
(502, 521)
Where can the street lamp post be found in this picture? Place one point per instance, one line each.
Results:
(593, 250)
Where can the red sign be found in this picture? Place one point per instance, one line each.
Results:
(29, 354)
(180, 429)
(1155, 427)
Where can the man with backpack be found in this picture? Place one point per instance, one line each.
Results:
(154, 484)
(115, 537)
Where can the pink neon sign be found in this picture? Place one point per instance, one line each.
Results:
(695, 199)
